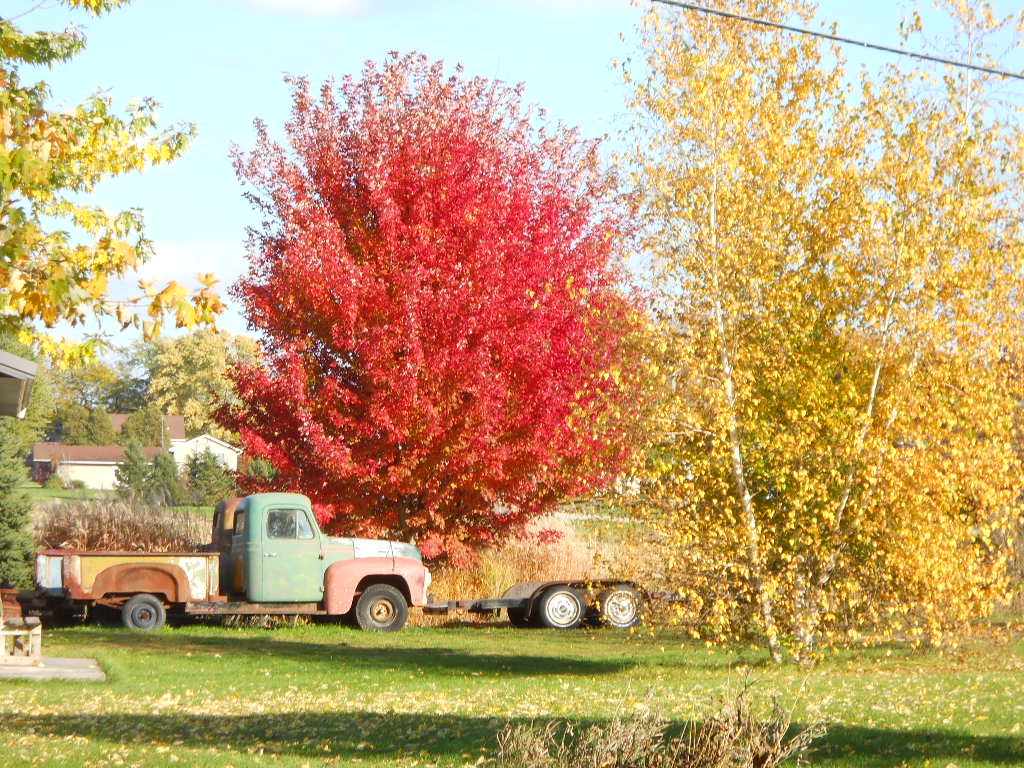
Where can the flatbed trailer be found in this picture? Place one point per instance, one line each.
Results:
(557, 604)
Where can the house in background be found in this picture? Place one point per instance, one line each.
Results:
(94, 466)
(174, 425)
(226, 453)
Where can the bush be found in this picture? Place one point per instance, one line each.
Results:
(119, 525)
(54, 481)
(734, 737)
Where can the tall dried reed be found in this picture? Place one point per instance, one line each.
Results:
(110, 525)
(735, 736)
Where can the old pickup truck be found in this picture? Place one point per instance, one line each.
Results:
(267, 555)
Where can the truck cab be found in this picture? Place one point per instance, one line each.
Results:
(272, 551)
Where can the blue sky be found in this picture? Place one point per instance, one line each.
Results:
(219, 64)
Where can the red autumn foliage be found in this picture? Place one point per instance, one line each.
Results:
(437, 286)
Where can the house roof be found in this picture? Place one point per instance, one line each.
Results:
(98, 454)
(212, 439)
(16, 376)
(175, 424)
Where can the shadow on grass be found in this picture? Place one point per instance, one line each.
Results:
(355, 657)
(348, 734)
(883, 748)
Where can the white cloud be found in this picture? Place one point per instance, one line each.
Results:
(310, 7)
(183, 262)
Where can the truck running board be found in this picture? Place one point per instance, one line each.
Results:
(253, 609)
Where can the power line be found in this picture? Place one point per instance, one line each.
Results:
(837, 38)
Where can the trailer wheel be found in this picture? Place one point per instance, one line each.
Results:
(561, 607)
(619, 607)
(143, 612)
(381, 608)
(519, 617)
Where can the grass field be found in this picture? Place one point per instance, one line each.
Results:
(38, 494)
(326, 695)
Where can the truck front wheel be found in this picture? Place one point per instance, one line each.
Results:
(381, 608)
(143, 612)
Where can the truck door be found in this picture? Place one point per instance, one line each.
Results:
(292, 568)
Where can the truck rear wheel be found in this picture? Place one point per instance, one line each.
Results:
(381, 608)
(144, 613)
(619, 607)
(561, 607)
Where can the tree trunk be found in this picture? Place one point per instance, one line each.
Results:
(739, 474)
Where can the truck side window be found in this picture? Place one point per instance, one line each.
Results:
(281, 524)
(305, 530)
(240, 522)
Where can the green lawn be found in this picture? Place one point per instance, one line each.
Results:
(324, 695)
(39, 494)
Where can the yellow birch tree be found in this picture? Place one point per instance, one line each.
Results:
(839, 277)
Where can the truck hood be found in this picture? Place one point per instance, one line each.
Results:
(379, 548)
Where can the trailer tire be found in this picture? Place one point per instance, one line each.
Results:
(144, 613)
(520, 617)
(381, 608)
(619, 607)
(561, 607)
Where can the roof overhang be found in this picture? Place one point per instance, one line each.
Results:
(16, 377)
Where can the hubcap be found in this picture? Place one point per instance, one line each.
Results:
(563, 609)
(620, 608)
(383, 611)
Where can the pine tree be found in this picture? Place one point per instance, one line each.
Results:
(17, 549)
(164, 484)
(208, 481)
(132, 473)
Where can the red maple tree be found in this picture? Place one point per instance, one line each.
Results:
(437, 285)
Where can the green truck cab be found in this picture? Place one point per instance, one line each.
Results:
(267, 556)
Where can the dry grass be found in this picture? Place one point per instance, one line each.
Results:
(733, 737)
(531, 558)
(109, 525)
(537, 556)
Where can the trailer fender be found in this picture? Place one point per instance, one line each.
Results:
(131, 578)
(345, 578)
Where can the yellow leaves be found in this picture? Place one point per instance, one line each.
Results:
(834, 331)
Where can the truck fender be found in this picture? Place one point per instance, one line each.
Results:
(343, 579)
(131, 578)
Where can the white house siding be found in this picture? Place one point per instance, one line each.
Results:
(93, 475)
(226, 454)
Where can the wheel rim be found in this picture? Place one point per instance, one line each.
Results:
(144, 616)
(383, 612)
(563, 609)
(620, 608)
